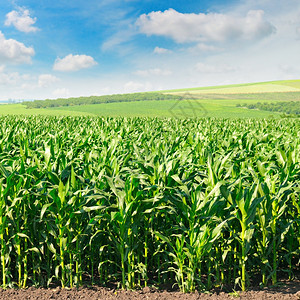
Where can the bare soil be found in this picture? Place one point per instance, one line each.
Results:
(286, 290)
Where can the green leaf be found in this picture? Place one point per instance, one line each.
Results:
(44, 208)
(3, 170)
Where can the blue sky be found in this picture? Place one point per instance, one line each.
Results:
(51, 49)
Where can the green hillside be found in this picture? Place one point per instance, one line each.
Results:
(181, 109)
(229, 101)
(257, 87)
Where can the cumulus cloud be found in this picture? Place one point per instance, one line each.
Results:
(155, 71)
(46, 80)
(72, 63)
(211, 27)
(14, 51)
(21, 20)
(206, 68)
(13, 78)
(158, 50)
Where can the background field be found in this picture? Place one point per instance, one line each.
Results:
(258, 87)
(180, 109)
(19, 109)
(215, 101)
(168, 109)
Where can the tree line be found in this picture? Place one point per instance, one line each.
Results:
(99, 99)
(286, 107)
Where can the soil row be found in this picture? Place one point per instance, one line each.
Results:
(285, 291)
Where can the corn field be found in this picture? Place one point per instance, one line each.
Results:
(195, 203)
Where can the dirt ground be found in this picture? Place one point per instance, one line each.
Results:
(287, 290)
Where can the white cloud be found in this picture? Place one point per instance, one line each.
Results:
(206, 68)
(72, 63)
(61, 93)
(202, 47)
(155, 72)
(46, 80)
(211, 27)
(13, 79)
(21, 20)
(14, 51)
(158, 50)
(9, 79)
(132, 86)
(114, 42)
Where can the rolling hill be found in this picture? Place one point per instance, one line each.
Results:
(229, 101)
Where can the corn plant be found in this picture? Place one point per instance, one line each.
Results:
(195, 203)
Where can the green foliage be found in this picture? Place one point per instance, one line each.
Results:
(287, 107)
(99, 100)
(199, 203)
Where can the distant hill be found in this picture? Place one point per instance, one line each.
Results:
(246, 88)
(251, 100)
